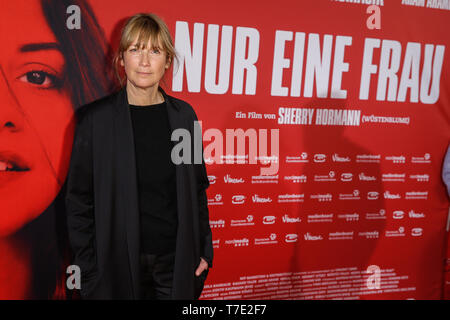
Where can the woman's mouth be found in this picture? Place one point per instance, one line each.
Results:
(12, 162)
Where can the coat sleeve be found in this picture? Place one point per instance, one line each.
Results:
(79, 201)
(205, 229)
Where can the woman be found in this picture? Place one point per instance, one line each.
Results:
(138, 223)
(42, 80)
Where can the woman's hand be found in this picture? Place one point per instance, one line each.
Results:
(203, 265)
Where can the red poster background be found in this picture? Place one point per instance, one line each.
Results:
(410, 251)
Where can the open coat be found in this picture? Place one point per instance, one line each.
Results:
(102, 203)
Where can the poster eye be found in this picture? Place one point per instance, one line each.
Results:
(40, 78)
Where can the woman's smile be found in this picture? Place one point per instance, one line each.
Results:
(12, 167)
(12, 162)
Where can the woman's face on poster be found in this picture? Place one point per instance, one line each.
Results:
(36, 115)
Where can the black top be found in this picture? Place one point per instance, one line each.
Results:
(156, 178)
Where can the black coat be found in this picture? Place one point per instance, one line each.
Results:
(102, 203)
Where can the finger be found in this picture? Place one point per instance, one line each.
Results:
(199, 270)
(205, 264)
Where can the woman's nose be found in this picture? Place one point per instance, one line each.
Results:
(11, 114)
(145, 60)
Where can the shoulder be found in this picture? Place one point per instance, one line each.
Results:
(183, 106)
(97, 105)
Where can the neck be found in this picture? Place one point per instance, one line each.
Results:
(143, 96)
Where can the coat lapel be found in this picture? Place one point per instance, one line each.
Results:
(127, 174)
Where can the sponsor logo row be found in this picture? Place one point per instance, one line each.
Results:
(331, 176)
(239, 199)
(273, 238)
(317, 217)
(304, 157)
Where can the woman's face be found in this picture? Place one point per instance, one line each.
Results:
(36, 115)
(144, 67)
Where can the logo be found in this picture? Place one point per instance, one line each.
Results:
(388, 195)
(420, 177)
(303, 158)
(416, 195)
(376, 215)
(337, 158)
(413, 214)
(368, 158)
(291, 197)
(346, 177)
(399, 177)
(269, 220)
(229, 179)
(369, 234)
(244, 222)
(265, 179)
(322, 197)
(363, 177)
(395, 233)
(319, 158)
(212, 179)
(296, 179)
(258, 199)
(329, 177)
(426, 158)
(372, 195)
(320, 217)
(234, 158)
(287, 219)
(396, 159)
(272, 239)
(266, 159)
(310, 237)
(398, 214)
(238, 242)
(238, 199)
(217, 200)
(349, 216)
(217, 223)
(340, 235)
(416, 232)
(350, 196)
(291, 237)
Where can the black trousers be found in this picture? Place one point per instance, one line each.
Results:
(157, 275)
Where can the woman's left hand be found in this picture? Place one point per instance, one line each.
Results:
(201, 267)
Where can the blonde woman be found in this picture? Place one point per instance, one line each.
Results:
(138, 223)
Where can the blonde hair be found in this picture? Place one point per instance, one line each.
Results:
(144, 27)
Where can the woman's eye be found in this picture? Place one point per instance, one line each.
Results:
(40, 78)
